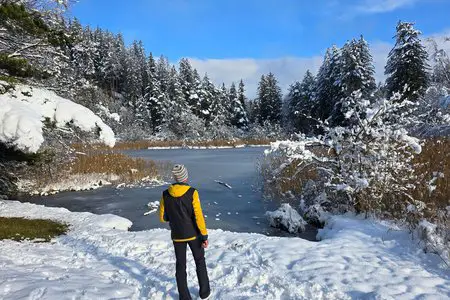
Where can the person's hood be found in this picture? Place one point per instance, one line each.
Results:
(178, 189)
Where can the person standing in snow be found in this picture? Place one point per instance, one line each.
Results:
(180, 206)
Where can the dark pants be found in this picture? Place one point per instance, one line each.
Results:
(199, 256)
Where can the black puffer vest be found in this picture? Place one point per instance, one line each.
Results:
(180, 214)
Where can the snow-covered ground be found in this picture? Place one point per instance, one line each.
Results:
(359, 259)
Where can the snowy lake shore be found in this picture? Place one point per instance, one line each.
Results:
(100, 259)
(206, 147)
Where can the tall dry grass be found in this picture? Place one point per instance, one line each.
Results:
(126, 168)
(432, 168)
(86, 167)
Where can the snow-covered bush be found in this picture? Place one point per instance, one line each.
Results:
(364, 165)
(286, 218)
(265, 131)
(435, 239)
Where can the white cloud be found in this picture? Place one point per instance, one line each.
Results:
(381, 6)
(288, 69)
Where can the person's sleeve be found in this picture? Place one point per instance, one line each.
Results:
(199, 218)
(162, 213)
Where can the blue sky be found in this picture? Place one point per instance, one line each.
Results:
(262, 31)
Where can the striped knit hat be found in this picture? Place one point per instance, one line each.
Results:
(180, 173)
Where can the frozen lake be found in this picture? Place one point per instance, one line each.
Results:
(239, 209)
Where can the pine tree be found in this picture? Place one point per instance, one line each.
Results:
(138, 48)
(294, 100)
(120, 52)
(186, 77)
(111, 64)
(153, 95)
(238, 115)
(83, 50)
(356, 69)
(301, 100)
(356, 74)
(270, 97)
(407, 67)
(195, 102)
(253, 111)
(134, 85)
(441, 68)
(162, 72)
(178, 112)
(241, 94)
(261, 95)
(207, 96)
(232, 94)
(220, 108)
(327, 91)
(242, 116)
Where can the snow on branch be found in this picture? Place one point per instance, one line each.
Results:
(24, 109)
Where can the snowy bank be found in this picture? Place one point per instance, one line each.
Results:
(356, 259)
(204, 147)
(24, 109)
(84, 182)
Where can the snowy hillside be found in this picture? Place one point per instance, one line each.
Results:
(24, 109)
(358, 259)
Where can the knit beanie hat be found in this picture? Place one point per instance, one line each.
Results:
(180, 173)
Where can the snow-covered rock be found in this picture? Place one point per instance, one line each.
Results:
(152, 207)
(24, 109)
(356, 259)
(287, 219)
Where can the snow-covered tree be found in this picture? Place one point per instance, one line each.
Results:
(327, 91)
(270, 99)
(356, 73)
(186, 77)
(441, 64)
(134, 85)
(162, 72)
(237, 112)
(253, 111)
(407, 67)
(207, 96)
(220, 108)
(195, 102)
(301, 99)
(153, 101)
(31, 45)
(357, 69)
(241, 95)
